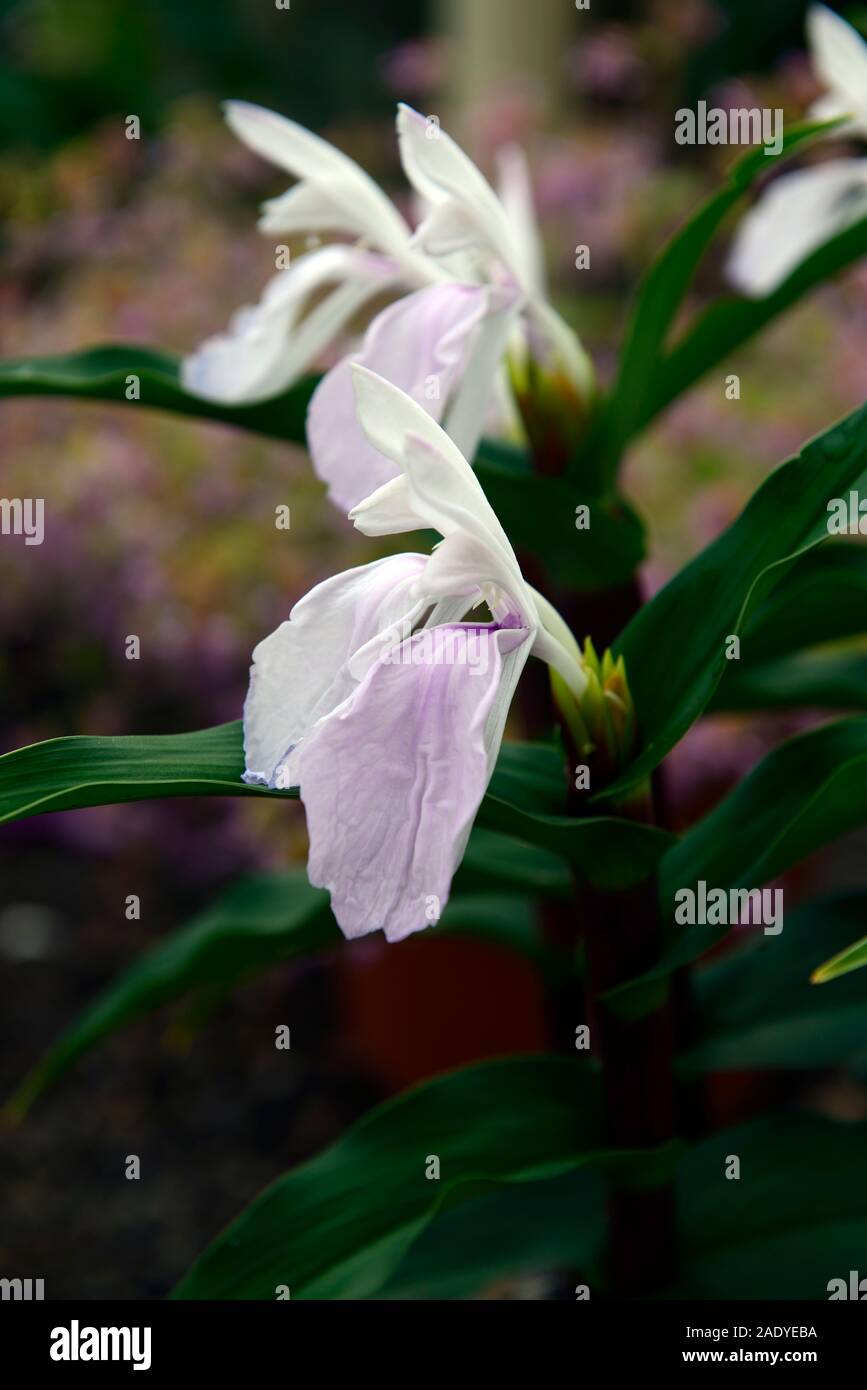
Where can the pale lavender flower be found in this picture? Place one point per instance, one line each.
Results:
(382, 699)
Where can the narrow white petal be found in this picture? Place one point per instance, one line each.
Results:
(269, 345)
(516, 195)
(839, 58)
(442, 173)
(443, 489)
(796, 215)
(364, 208)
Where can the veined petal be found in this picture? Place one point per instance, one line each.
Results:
(793, 217)
(441, 172)
(269, 345)
(301, 671)
(839, 58)
(392, 780)
(425, 344)
(342, 185)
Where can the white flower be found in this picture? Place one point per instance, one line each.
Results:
(470, 278)
(800, 211)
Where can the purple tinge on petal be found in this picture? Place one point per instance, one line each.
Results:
(301, 671)
(391, 782)
(421, 344)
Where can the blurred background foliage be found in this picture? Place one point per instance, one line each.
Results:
(165, 529)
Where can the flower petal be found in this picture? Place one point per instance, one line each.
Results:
(392, 780)
(424, 344)
(359, 205)
(839, 58)
(441, 172)
(516, 195)
(268, 346)
(439, 486)
(798, 213)
(301, 671)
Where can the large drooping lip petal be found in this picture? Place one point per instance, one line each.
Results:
(796, 214)
(345, 196)
(392, 780)
(269, 345)
(840, 59)
(458, 193)
(301, 672)
(441, 345)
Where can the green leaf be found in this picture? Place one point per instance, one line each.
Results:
(100, 374)
(538, 513)
(259, 922)
(822, 599)
(758, 1008)
(525, 800)
(338, 1226)
(836, 680)
(633, 400)
(848, 959)
(495, 863)
(675, 647)
(791, 655)
(803, 795)
(729, 323)
(795, 1220)
(526, 1228)
(88, 770)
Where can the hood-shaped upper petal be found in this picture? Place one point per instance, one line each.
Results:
(439, 487)
(392, 780)
(840, 60)
(301, 672)
(796, 214)
(357, 205)
(442, 173)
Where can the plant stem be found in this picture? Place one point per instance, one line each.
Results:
(622, 939)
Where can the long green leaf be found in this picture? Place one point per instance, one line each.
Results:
(90, 770)
(525, 1228)
(851, 957)
(756, 1004)
(259, 922)
(526, 798)
(802, 796)
(794, 1219)
(660, 295)
(729, 323)
(337, 1227)
(836, 680)
(675, 647)
(823, 598)
(102, 374)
